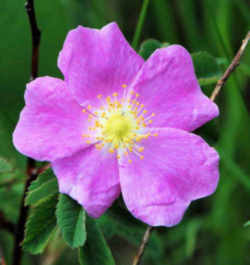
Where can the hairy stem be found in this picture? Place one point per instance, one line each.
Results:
(31, 167)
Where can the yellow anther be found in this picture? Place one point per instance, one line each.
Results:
(155, 134)
(130, 161)
(137, 103)
(108, 99)
(132, 92)
(137, 95)
(145, 111)
(88, 142)
(118, 156)
(141, 157)
(111, 150)
(116, 146)
(124, 85)
(126, 153)
(90, 116)
(115, 94)
(98, 146)
(99, 96)
(142, 105)
(89, 107)
(130, 148)
(153, 114)
(140, 149)
(83, 110)
(150, 121)
(103, 114)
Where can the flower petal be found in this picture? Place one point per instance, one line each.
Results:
(97, 62)
(52, 123)
(167, 86)
(90, 177)
(178, 167)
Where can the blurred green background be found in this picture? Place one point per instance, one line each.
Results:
(213, 230)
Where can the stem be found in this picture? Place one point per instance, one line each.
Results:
(144, 242)
(31, 169)
(140, 24)
(235, 62)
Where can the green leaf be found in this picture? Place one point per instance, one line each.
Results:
(5, 166)
(71, 220)
(44, 186)
(206, 68)
(96, 250)
(247, 224)
(149, 46)
(40, 226)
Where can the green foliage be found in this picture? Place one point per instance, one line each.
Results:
(96, 250)
(206, 67)
(45, 185)
(118, 222)
(149, 46)
(40, 226)
(71, 220)
(5, 166)
(247, 224)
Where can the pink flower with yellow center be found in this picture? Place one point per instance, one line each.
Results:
(117, 124)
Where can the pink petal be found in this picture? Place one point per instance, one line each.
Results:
(52, 123)
(90, 177)
(97, 62)
(178, 167)
(167, 86)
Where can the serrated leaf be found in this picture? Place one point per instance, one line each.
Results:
(40, 226)
(206, 68)
(149, 46)
(45, 185)
(71, 220)
(5, 166)
(96, 250)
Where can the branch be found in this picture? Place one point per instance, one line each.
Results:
(144, 242)
(235, 62)
(31, 168)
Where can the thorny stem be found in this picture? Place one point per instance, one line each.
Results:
(31, 169)
(235, 62)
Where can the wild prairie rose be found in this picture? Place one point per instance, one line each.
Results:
(117, 124)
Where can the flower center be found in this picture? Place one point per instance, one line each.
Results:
(119, 125)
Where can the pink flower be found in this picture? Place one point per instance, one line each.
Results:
(119, 124)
